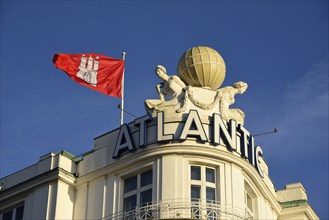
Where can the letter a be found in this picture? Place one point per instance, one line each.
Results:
(124, 141)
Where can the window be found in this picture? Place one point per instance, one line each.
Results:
(203, 188)
(203, 183)
(250, 200)
(137, 191)
(13, 214)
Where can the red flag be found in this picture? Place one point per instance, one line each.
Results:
(98, 72)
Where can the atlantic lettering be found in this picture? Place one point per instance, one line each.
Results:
(227, 133)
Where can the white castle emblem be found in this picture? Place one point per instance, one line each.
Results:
(88, 70)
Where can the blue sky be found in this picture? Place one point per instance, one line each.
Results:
(280, 48)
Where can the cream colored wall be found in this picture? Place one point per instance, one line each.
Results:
(296, 216)
(265, 210)
(265, 205)
(237, 182)
(81, 202)
(46, 163)
(103, 195)
(36, 203)
(64, 201)
(171, 177)
(99, 193)
(53, 201)
(51, 194)
(109, 193)
(95, 199)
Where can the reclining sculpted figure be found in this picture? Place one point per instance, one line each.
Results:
(171, 87)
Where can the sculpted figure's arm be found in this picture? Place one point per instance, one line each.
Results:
(161, 94)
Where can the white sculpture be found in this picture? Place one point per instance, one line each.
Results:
(171, 87)
(227, 98)
(196, 89)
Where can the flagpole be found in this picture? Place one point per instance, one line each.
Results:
(122, 90)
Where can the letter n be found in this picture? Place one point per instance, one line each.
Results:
(193, 127)
(227, 134)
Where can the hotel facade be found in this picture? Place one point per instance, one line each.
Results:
(189, 157)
